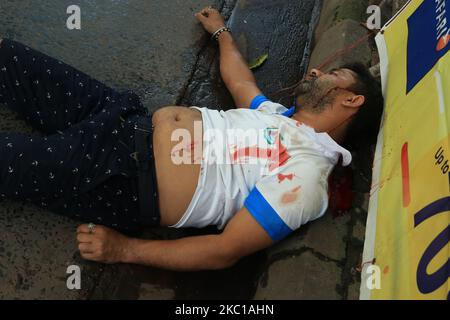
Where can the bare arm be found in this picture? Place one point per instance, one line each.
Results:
(235, 72)
(242, 236)
(187, 254)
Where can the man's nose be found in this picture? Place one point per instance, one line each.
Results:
(315, 73)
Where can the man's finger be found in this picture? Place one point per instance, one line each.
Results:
(89, 256)
(208, 10)
(200, 17)
(85, 248)
(204, 13)
(85, 237)
(83, 229)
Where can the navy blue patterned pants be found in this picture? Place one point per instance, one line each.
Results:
(81, 167)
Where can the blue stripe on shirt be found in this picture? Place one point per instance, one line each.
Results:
(266, 216)
(257, 101)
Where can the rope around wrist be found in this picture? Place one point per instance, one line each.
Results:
(217, 34)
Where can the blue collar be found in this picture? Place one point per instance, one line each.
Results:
(290, 112)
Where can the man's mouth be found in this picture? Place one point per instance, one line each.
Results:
(306, 86)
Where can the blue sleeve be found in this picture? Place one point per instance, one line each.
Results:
(266, 216)
(257, 101)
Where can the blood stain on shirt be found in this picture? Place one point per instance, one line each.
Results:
(278, 155)
(282, 177)
(291, 196)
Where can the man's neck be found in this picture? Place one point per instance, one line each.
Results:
(324, 122)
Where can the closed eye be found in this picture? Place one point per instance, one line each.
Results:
(333, 72)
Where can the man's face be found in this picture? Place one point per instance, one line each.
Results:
(316, 91)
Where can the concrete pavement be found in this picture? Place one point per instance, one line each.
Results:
(148, 46)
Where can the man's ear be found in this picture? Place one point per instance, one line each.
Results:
(354, 101)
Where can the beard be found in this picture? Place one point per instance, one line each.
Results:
(311, 95)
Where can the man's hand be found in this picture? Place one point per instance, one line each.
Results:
(102, 245)
(211, 19)
(234, 69)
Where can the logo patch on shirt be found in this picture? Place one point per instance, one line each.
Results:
(271, 134)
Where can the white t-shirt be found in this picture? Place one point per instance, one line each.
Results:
(260, 158)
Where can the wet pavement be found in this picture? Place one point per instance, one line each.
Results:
(147, 46)
(157, 49)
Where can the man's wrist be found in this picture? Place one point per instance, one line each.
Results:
(128, 249)
(224, 36)
(220, 31)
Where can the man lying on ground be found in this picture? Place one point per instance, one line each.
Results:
(259, 172)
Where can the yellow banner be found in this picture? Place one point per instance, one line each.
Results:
(407, 247)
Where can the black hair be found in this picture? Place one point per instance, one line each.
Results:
(364, 128)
